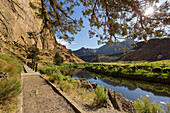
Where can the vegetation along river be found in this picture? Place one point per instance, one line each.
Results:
(130, 89)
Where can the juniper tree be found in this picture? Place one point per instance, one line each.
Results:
(119, 19)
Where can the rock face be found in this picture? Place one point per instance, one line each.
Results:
(17, 18)
(154, 49)
(119, 102)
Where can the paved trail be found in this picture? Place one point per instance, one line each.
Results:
(39, 97)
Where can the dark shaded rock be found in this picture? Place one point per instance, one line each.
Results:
(94, 85)
(89, 86)
(119, 102)
(95, 78)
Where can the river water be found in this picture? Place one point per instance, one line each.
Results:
(130, 89)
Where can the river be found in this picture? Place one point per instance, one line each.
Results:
(130, 89)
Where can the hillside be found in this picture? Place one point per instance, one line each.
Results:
(105, 49)
(102, 58)
(154, 49)
(17, 18)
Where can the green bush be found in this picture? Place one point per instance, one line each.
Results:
(9, 89)
(166, 70)
(102, 67)
(157, 70)
(58, 59)
(120, 68)
(134, 68)
(111, 67)
(101, 96)
(43, 70)
(145, 106)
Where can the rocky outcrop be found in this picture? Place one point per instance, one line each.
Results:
(154, 49)
(114, 100)
(17, 18)
(119, 102)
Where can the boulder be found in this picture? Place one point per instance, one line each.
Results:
(119, 102)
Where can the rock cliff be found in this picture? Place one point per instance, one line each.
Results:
(17, 18)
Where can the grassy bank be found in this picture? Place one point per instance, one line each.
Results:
(10, 86)
(67, 84)
(134, 70)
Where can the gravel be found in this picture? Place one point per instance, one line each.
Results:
(39, 97)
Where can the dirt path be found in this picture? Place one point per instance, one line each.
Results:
(39, 97)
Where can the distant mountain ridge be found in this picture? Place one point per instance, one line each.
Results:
(105, 50)
(154, 49)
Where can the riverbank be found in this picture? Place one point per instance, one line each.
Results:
(135, 72)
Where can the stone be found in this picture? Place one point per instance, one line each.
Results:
(94, 85)
(95, 78)
(119, 102)
(89, 86)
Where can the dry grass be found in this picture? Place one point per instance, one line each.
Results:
(13, 68)
(80, 94)
(154, 63)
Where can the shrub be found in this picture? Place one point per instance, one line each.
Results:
(101, 96)
(9, 89)
(144, 106)
(157, 70)
(134, 68)
(166, 70)
(58, 59)
(120, 68)
(102, 67)
(43, 70)
(111, 67)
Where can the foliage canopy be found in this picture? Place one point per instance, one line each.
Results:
(118, 19)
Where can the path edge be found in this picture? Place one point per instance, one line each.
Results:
(64, 96)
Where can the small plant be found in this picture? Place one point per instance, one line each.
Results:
(145, 106)
(101, 96)
(9, 89)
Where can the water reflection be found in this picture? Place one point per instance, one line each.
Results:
(130, 89)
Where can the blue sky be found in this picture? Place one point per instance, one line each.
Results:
(82, 38)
